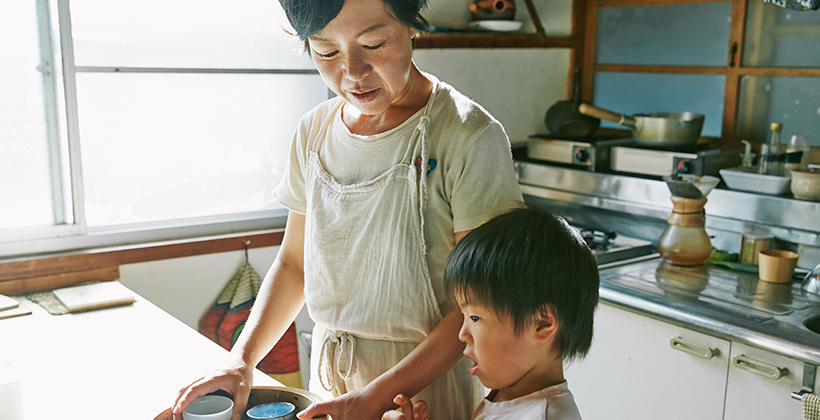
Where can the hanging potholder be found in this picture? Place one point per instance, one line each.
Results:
(224, 322)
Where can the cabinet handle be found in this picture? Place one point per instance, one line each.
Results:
(699, 350)
(763, 369)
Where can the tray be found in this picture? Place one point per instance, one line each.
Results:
(267, 394)
(747, 179)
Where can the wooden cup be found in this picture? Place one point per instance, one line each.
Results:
(776, 266)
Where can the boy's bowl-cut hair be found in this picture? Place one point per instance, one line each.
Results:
(523, 262)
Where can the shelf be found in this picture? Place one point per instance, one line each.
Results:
(491, 40)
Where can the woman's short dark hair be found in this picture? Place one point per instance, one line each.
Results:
(526, 261)
(307, 17)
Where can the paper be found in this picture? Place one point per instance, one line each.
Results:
(93, 296)
(17, 310)
(7, 303)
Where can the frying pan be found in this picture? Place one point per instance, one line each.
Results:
(563, 119)
(656, 129)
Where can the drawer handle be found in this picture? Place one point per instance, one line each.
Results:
(699, 350)
(763, 369)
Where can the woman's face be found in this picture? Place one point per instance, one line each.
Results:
(365, 55)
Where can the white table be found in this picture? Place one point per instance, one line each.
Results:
(125, 362)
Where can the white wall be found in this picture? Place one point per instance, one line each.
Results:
(517, 86)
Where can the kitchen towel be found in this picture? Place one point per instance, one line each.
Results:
(802, 5)
(811, 407)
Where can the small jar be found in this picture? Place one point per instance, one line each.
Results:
(752, 244)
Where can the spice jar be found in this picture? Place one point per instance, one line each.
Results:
(754, 242)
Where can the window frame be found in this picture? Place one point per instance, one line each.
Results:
(70, 232)
(733, 70)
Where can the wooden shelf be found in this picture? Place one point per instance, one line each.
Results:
(491, 40)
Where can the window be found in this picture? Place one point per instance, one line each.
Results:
(166, 118)
(743, 64)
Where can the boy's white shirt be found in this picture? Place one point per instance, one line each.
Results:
(552, 403)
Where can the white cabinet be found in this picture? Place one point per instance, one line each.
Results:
(632, 371)
(754, 393)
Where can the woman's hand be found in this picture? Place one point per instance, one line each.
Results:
(236, 381)
(409, 410)
(359, 404)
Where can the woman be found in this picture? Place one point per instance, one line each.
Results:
(382, 181)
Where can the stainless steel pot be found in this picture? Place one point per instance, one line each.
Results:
(665, 129)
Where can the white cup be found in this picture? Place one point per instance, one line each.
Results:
(11, 391)
(209, 407)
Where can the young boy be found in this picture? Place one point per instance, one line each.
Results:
(527, 286)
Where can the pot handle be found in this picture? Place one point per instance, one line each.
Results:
(594, 111)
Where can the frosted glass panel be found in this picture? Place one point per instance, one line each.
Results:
(682, 34)
(793, 101)
(25, 175)
(168, 146)
(633, 93)
(183, 33)
(778, 37)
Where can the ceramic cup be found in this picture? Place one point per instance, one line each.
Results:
(209, 407)
(11, 391)
(273, 411)
(776, 266)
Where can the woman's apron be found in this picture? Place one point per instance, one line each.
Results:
(367, 285)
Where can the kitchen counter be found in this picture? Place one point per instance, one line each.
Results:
(126, 362)
(716, 301)
(711, 300)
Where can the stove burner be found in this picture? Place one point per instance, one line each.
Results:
(597, 240)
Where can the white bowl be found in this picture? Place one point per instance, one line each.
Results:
(747, 179)
(495, 25)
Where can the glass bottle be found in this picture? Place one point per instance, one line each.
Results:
(798, 143)
(768, 162)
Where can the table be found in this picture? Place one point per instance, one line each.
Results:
(125, 362)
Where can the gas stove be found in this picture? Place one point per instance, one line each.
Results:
(698, 159)
(610, 247)
(625, 155)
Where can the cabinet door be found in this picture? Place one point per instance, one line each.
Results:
(632, 371)
(750, 395)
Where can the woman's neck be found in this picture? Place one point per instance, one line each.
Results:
(413, 98)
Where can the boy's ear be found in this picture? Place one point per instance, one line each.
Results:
(546, 323)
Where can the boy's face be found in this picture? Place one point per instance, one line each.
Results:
(501, 358)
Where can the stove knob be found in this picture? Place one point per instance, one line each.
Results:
(582, 156)
(683, 167)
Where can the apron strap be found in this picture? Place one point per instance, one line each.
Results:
(344, 363)
(425, 159)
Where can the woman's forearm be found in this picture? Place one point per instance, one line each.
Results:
(280, 298)
(437, 354)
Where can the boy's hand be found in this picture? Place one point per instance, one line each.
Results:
(409, 411)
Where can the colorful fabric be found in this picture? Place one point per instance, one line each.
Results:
(225, 320)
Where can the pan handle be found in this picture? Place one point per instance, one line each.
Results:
(594, 111)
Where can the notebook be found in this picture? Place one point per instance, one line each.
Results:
(94, 296)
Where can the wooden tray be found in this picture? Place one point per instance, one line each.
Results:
(267, 394)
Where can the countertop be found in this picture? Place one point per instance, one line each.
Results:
(125, 362)
(717, 301)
